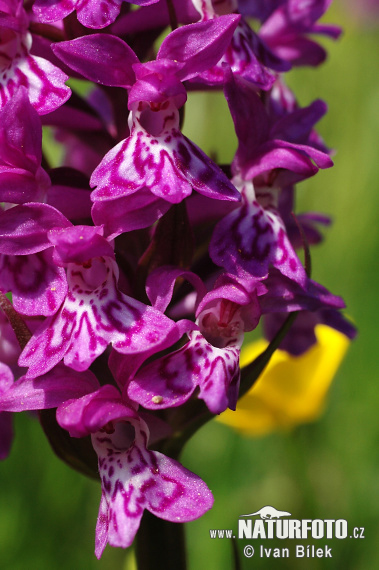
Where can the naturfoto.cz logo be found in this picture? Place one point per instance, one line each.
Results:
(271, 523)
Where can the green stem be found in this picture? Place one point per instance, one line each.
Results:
(20, 329)
(251, 373)
(172, 15)
(160, 544)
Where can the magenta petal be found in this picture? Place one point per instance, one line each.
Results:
(53, 10)
(296, 126)
(295, 158)
(284, 295)
(180, 496)
(133, 479)
(24, 228)
(101, 58)
(37, 285)
(160, 285)
(19, 186)
(205, 176)
(93, 14)
(170, 381)
(20, 133)
(199, 45)
(139, 210)
(44, 81)
(94, 315)
(168, 165)
(122, 170)
(46, 84)
(251, 238)
(78, 244)
(6, 378)
(89, 413)
(301, 51)
(47, 391)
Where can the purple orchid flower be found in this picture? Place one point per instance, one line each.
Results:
(133, 478)
(87, 311)
(43, 80)
(271, 151)
(315, 304)
(94, 312)
(90, 13)
(247, 55)
(302, 336)
(286, 31)
(253, 237)
(283, 295)
(210, 359)
(140, 178)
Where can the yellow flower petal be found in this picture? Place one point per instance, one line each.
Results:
(292, 389)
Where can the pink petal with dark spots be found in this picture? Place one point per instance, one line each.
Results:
(95, 314)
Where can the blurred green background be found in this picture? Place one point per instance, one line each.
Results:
(329, 469)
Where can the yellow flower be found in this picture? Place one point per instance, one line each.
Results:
(291, 390)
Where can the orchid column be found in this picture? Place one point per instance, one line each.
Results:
(134, 268)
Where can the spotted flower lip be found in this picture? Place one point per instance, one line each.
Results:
(94, 314)
(251, 238)
(155, 167)
(156, 160)
(210, 358)
(91, 307)
(133, 477)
